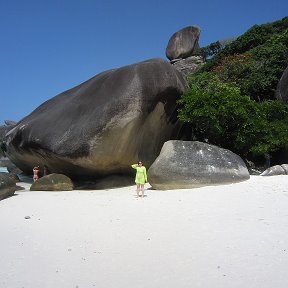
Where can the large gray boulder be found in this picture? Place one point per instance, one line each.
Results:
(103, 125)
(53, 182)
(276, 170)
(7, 186)
(282, 87)
(183, 43)
(187, 164)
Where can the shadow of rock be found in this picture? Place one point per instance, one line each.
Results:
(109, 182)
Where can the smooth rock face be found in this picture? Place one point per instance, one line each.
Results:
(53, 182)
(103, 125)
(276, 170)
(183, 43)
(7, 186)
(282, 87)
(188, 164)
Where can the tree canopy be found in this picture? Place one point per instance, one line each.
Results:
(219, 114)
(255, 60)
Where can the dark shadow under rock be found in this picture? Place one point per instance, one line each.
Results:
(109, 182)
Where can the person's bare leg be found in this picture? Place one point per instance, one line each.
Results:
(138, 189)
(142, 190)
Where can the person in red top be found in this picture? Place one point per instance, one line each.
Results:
(35, 173)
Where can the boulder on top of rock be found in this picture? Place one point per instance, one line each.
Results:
(192, 164)
(276, 170)
(7, 186)
(53, 182)
(100, 127)
(183, 43)
(282, 87)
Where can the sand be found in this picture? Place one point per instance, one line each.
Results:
(220, 236)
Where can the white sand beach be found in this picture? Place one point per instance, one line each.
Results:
(230, 236)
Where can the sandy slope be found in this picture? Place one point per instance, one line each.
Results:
(223, 236)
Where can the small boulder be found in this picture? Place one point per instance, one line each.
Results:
(53, 182)
(7, 186)
(183, 43)
(276, 170)
(189, 65)
(187, 164)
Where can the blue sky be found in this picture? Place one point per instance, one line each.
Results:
(47, 47)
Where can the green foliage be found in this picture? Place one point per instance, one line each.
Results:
(229, 102)
(256, 36)
(214, 48)
(220, 115)
(255, 60)
(209, 51)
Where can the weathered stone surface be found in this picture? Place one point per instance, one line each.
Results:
(187, 164)
(189, 65)
(53, 182)
(276, 170)
(12, 168)
(4, 161)
(183, 43)
(282, 87)
(7, 186)
(12, 176)
(3, 130)
(10, 122)
(103, 125)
